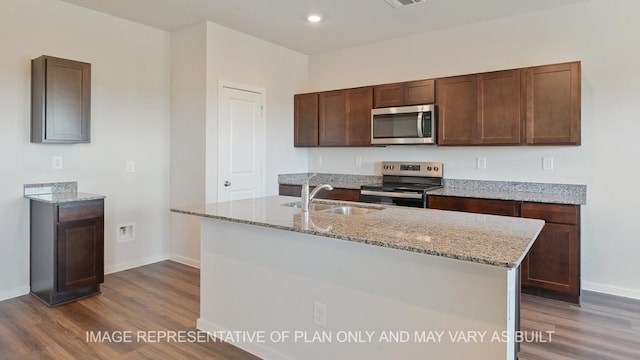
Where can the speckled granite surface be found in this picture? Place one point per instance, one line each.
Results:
(487, 239)
(336, 180)
(519, 191)
(57, 192)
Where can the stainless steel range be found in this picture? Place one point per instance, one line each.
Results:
(404, 183)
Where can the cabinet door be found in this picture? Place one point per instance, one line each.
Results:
(333, 118)
(388, 95)
(553, 104)
(457, 110)
(80, 254)
(500, 108)
(360, 102)
(61, 100)
(479, 206)
(305, 122)
(419, 92)
(553, 261)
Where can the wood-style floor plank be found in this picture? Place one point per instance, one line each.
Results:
(165, 297)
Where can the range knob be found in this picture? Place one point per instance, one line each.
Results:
(428, 168)
(391, 167)
(435, 168)
(385, 167)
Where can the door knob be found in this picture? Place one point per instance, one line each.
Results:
(227, 183)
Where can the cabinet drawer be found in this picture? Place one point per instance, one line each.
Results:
(80, 210)
(553, 213)
(473, 205)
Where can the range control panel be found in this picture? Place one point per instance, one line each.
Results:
(423, 169)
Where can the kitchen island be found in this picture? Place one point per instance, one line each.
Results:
(391, 283)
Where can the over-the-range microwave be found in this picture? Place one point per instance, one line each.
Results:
(404, 125)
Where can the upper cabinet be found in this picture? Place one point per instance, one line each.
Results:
(60, 101)
(305, 107)
(345, 117)
(481, 109)
(538, 105)
(553, 104)
(404, 94)
(527, 106)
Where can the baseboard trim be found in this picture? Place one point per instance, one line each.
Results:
(135, 264)
(185, 260)
(10, 294)
(257, 349)
(611, 290)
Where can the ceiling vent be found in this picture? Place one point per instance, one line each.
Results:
(401, 3)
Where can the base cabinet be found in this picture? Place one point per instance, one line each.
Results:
(335, 194)
(67, 250)
(552, 267)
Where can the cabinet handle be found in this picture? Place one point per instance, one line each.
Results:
(227, 183)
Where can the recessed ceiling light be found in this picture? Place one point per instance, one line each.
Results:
(314, 18)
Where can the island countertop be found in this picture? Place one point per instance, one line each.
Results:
(486, 239)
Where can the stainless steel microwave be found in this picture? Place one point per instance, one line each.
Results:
(404, 125)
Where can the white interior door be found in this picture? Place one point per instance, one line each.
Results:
(240, 143)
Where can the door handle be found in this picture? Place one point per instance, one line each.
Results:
(227, 183)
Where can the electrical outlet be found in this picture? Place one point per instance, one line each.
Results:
(319, 160)
(56, 162)
(131, 166)
(547, 164)
(320, 314)
(126, 232)
(358, 160)
(481, 163)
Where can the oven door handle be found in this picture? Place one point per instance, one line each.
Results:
(391, 194)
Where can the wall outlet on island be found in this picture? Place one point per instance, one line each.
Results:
(320, 314)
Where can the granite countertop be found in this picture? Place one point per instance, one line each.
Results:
(486, 239)
(340, 181)
(518, 191)
(502, 190)
(55, 193)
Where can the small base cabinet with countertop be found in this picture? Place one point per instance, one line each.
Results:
(552, 266)
(66, 246)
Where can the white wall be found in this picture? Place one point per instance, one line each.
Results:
(129, 117)
(604, 35)
(203, 55)
(188, 140)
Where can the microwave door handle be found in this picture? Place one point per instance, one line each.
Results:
(420, 134)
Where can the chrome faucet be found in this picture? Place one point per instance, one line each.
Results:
(307, 197)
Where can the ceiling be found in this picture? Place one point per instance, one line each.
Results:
(346, 23)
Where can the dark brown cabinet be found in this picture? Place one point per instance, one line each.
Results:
(403, 94)
(60, 101)
(67, 250)
(305, 123)
(345, 117)
(481, 109)
(335, 194)
(553, 104)
(552, 266)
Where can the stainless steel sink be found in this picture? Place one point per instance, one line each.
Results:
(340, 209)
(350, 210)
(313, 207)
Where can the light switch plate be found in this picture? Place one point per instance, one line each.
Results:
(131, 166)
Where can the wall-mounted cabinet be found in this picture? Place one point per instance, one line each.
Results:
(305, 117)
(553, 104)
(417, 92)
(481, 109)
(526, 106)
(60, 101)
(333, 118)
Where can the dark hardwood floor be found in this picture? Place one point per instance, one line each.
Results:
(164, 297)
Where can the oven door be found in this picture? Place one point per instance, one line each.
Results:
(399, 198)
